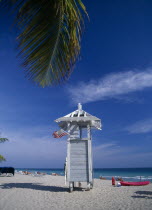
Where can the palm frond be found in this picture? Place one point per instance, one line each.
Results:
(50, 37)
(2, 158)
(3, 140)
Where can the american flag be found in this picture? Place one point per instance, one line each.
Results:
(59, 134)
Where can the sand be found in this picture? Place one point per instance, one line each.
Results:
(49, 192)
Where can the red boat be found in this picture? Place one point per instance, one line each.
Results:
(134, 183)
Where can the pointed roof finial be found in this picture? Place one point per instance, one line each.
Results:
(79, 107)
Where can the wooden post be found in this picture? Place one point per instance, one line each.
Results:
(89, 156)
(80, 128)
(68, 154)
(71, 186)
(89, 132)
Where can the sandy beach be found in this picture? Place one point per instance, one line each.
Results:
(50, 192)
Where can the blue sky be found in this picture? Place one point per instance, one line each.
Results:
(113, 81)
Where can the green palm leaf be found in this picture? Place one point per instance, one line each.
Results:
(3, 140)
(50, 36)
(2, 158)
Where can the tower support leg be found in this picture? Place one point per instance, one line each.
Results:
(91, 185)
(71, 186)
(79, 184)
(88, 186)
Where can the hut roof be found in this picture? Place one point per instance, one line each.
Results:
(80, 115)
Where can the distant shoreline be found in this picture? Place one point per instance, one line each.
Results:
(128, 174)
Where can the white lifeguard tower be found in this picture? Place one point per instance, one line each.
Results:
(79, 146)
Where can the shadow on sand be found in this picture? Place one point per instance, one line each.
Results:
(34, 186)
(37, 186)
(143, 194)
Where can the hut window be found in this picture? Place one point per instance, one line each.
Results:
(83, 133)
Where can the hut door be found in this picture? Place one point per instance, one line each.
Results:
(78, 161)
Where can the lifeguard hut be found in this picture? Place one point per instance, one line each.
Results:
(78, 124)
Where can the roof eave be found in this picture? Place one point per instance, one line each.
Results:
(77, 119)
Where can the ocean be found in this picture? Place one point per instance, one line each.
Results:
(128, 174)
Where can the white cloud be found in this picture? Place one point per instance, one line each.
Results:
(112, 155)
(29, 150)
(103, 151)
(144, 126)
(37, 149)
(111, 86)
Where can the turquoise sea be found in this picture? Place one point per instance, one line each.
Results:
(128, 174)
